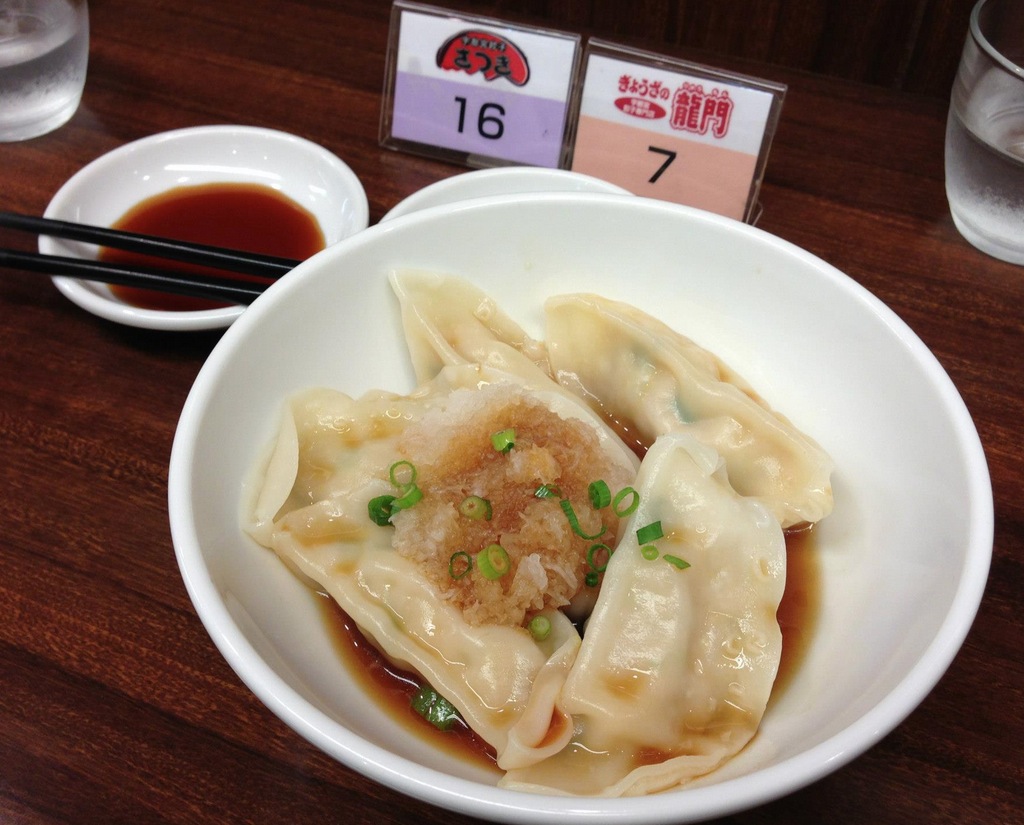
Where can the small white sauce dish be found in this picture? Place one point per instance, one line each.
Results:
(104, 190)
(510, 180)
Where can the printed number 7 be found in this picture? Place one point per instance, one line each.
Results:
(669, 157)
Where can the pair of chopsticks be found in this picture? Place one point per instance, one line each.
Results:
(202, 286)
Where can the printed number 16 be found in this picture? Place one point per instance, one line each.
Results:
(488, 122)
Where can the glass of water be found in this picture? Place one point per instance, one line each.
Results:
(44, 50)
(985, 132)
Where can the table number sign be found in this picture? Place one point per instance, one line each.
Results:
(477, 91)
(674, 130)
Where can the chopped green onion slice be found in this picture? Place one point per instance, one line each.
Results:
(598, 556)
(649, 552)
(649, 532)
(628, 510)
(503, 440)
(476, 508)
(675, 561)
(493, 561)
(592, 578)
(433, 707)
(402, 474)
(539, 627)
(459, 564)
(574, 522)
(548, 491)
(380, 509)
(410, 495)
(600, 495)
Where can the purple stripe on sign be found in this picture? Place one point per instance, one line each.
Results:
(480, 121)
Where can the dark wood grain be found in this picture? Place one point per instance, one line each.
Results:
(115, 707)
(909, 45)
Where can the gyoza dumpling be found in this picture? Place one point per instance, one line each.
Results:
(311, 507)
(676, 665)
(648, 377)
(449, 321)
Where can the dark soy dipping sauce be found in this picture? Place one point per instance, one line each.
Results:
(801, 600)
(395, 688)
(242, 216)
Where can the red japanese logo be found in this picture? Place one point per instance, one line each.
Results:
(692, 109)
(491, 55)
(640, 87)
(638, 107)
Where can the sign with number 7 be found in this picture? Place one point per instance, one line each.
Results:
(674, 130)
(669, 157)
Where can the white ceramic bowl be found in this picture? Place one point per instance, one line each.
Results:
(904, 556)
(101, 192)
(508, 180)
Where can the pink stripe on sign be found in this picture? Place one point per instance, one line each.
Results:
(701, 175)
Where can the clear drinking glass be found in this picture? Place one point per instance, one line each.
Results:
(44, 51)
(985, 132)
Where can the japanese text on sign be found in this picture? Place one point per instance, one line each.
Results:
(484, 93)
(673, 130)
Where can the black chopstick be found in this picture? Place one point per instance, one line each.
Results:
(199, 286)
(227, 259)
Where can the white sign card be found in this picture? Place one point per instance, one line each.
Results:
(475, 90)
(674, 130)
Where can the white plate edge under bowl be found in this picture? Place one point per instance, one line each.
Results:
(481, 183)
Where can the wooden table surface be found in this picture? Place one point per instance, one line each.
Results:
(114, 704)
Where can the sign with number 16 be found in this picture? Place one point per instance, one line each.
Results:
(477, 91)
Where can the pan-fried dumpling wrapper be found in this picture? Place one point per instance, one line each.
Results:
(310, 507)
(638, 371)
(449, 321)
(676, 665)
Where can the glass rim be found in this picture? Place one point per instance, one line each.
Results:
(986, 44)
